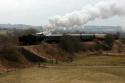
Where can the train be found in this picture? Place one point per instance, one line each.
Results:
(33, 39)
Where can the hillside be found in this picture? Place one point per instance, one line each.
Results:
(48, 52)
(17, 26)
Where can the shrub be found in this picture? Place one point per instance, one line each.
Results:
(70, 44)
(108, 42)
(8, 49)
(105, 45)
(22, 32)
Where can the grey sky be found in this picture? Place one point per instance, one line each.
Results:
(37, 12)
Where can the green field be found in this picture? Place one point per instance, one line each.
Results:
(75, 72)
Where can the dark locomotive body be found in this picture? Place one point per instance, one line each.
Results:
(55, 38)
(30, 39)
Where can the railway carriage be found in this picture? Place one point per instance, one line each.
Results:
(38, 38)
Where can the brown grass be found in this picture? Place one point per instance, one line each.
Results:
(72, 74)
(65, 75)
(83, 59)
(49, 51)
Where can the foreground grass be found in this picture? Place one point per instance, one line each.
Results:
(72, 74)
(66, 75)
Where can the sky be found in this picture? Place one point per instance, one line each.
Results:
(37, 12)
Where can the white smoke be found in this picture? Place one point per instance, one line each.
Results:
(101, 10)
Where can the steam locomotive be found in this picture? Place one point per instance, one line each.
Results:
(55, 38)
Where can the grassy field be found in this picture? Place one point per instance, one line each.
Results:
(3, 32)
(99, 60)
(65, 75)
(72, 74)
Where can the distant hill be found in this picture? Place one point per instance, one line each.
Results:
(91, 29)
(83, 29)
(103, 29)
(18, 26)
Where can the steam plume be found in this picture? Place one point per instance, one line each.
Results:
(101, 10)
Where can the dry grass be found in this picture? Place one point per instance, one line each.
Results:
(3, 32)
(66, 75)
(71, 74)
(99, 60)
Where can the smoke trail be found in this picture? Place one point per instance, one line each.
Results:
(101, 10)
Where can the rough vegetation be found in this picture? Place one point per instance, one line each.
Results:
(70, 44)
(9, 52)
(10, 56)
(23, 32)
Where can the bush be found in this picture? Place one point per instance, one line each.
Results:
(108, 42)
(70, 44)
(122, 40)
(22, 32)
(8, 49)
(105, 45)
(10, 53)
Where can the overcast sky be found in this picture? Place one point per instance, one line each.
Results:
(37, 12)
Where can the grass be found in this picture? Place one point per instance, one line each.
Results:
(99, 60)
(3, 32)
(72, 74)
(66, 75)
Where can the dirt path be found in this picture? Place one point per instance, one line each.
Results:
(81, 66)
